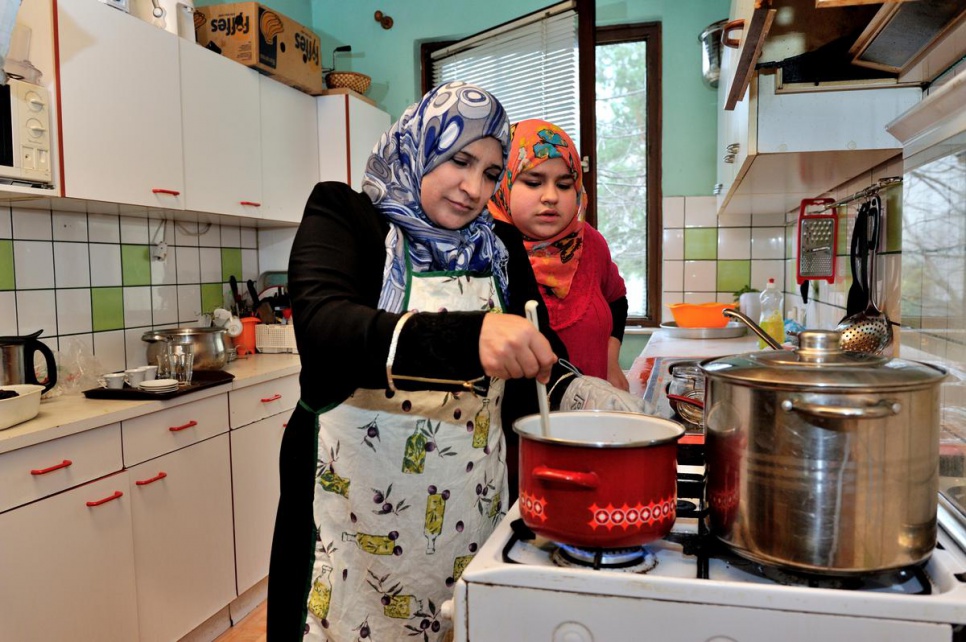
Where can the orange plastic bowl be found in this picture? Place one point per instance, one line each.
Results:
(700, 315)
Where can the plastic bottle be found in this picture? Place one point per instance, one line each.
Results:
(771, 319)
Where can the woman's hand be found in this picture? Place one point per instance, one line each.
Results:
(615, 376)
(511, 348)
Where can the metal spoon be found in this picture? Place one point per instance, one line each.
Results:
(531, 309)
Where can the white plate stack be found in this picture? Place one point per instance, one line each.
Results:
(159, 385)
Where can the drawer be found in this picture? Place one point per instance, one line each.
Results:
(37, 471)
(262, 400)
(167, 430)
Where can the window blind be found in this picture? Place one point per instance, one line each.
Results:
(529, 64)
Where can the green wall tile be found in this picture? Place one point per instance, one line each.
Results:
(733, 275)
(231, 263)
(701, 244)
(107, 309)
(6, 265)
(212, 296)
(135, 265)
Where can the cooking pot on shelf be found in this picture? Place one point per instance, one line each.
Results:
(17, 361)
(823, 461)
(599, 479)
(207, 344)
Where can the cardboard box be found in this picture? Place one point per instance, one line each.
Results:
(263, 39)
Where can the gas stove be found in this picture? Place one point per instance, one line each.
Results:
(688, 587)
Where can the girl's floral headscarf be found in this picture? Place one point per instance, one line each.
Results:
(554, 260)
(430, 132)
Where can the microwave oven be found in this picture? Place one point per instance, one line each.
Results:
(24, 134)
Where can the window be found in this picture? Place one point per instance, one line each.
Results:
(543, 66)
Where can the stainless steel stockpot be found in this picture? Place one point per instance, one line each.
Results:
(823, 461)
(207, 344)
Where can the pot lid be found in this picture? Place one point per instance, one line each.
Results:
(820, 362)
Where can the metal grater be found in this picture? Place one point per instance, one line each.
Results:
(817, 234)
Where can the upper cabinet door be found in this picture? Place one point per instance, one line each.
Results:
(290, 150)
(120, 104)
(366, 125)
(222, 145)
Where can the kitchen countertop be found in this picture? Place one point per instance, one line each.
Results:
(71, 414)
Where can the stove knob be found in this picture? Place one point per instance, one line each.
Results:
(572, 632)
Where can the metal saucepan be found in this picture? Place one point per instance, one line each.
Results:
(823, 461)
(599, 479)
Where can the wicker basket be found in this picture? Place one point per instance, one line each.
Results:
(348, 79)
(275, 338)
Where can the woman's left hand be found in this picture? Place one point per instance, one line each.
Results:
(616, 377)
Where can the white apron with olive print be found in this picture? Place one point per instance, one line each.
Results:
(408, 486)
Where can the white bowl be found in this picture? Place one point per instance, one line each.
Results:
(21, 408)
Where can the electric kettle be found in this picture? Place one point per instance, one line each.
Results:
(17, 361)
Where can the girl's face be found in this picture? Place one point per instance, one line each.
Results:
(543, 200)
(455, 192)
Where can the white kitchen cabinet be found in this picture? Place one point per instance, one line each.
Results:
(263, 400)
(290, 150)
(120, 106)
(255, 490)
(222, 144)
(183, 544)
(349, 127)
(67, 564)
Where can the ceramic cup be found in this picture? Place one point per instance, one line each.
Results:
(133, 376)
(150, 372)
(112, 380)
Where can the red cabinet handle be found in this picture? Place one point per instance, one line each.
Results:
(44, 471)
(190, 424)
(273, 398)
(158, 190)
(252, 203)
(144, 482)
(117, 495)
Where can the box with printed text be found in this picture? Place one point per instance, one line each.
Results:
(263, 39)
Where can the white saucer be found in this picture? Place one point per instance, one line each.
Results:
(159, 385)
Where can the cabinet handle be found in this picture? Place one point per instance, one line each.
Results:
(117, 495)
(726, 38)
(733, 148)
(273, 398)
(158, 190)
(728, 158)
(190, 424)
(144, 482)
(251, 203)
(44, 471)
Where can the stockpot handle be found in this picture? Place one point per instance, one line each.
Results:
(876, 411)
(572, 477)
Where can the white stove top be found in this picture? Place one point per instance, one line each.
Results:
(589, 604)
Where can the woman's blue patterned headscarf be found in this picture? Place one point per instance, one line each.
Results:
(430, 132)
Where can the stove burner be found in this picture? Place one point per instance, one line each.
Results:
(910, 580)
(628, 560)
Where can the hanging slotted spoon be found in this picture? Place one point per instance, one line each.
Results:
(869, 330)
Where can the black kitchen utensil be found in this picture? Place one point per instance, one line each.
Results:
(858, 297)
(253, 293)
(236, 298)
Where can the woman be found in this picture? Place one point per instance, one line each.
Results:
(393, 467)
(542, 194)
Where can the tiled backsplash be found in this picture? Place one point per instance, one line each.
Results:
(101, 279)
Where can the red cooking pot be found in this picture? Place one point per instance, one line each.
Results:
(599, 479)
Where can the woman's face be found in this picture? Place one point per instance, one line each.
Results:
(455, 192)
(543, 200)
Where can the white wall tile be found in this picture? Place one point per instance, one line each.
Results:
(134, 230)
(249, 237)
(73, 311)
(33, 264)
(768, 243)
(186, 233)
(105, 264)
(209, 235)
(72, 266)
(250, 264)
(136, 349)
(165, 304)
(700, 276)
(672, 214)
(188, 262)
(672, 276)
(230, 236)
(31, 224)
(761, 271)
(189, 302)
(734, 243)
(36, 311)
(734, 220)
(164, 272)
(109, 350)
(210, 265)
(700, 211)
(8, 314)
(666, 298)
(69, 226)
(137, 307)
(6, 223)
(160, 229)
(673, 247)
(104, 228)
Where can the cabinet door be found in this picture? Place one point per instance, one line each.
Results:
(366, 126)
(120, 105)
(68, 566)
(222, 145)
(290, 152)
(348, 130)
(255, 488)
(183, 538)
